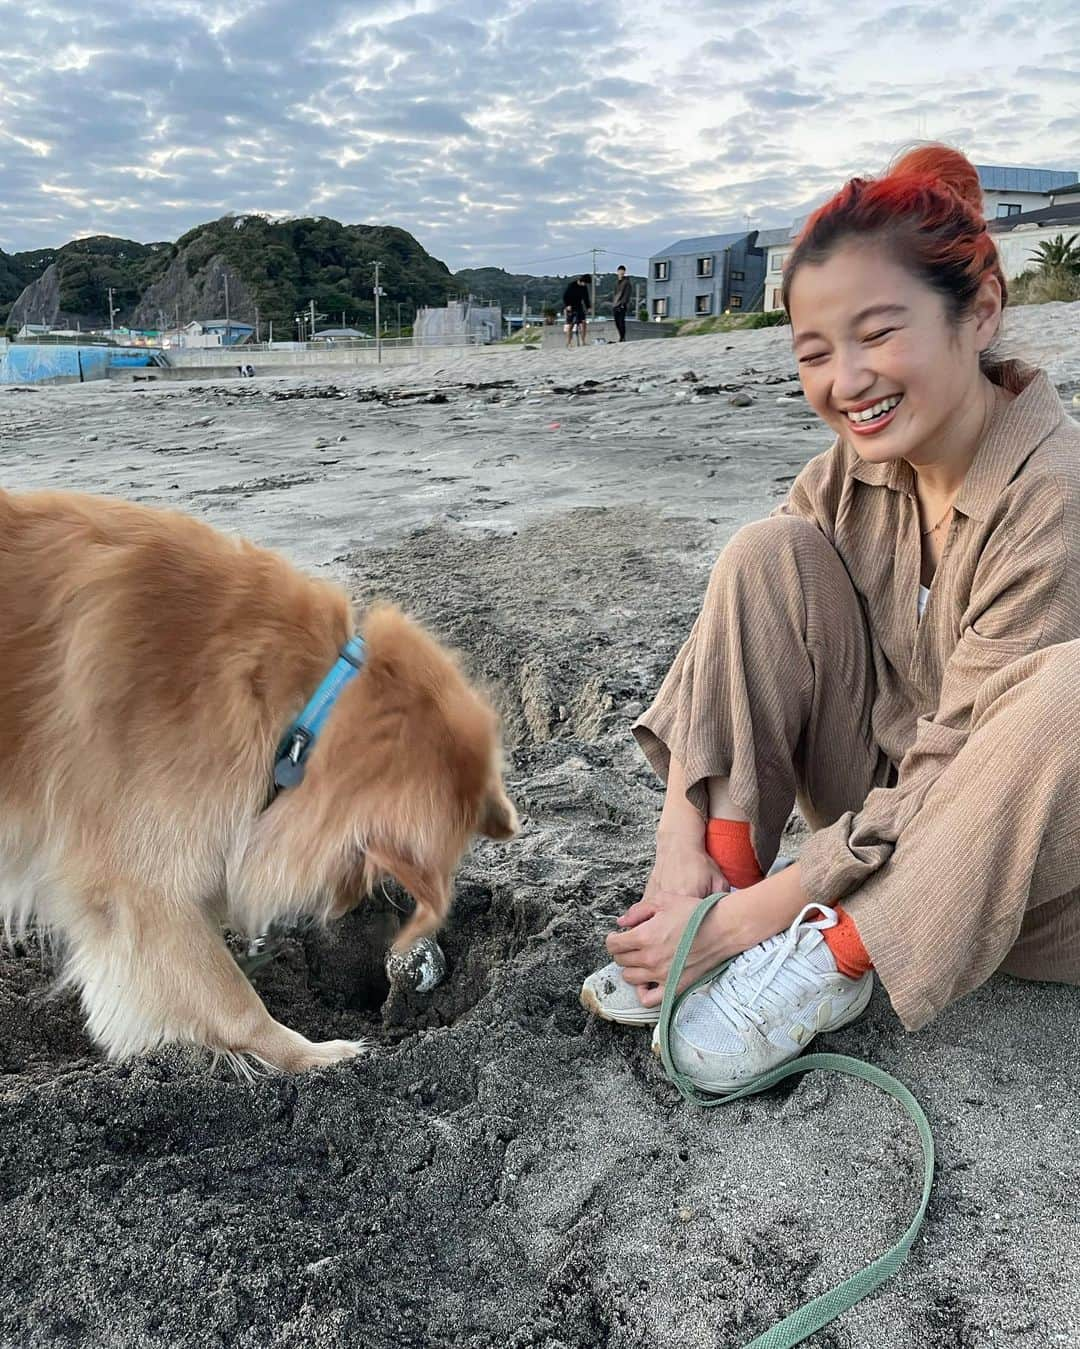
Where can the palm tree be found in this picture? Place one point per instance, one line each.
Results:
(1058, 254)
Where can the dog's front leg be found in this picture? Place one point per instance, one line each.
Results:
(150, 972)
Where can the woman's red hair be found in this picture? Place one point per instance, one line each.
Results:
(927, 211)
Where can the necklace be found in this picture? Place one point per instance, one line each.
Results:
(934, 528)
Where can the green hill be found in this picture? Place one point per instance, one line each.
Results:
(256, 267)
(72, 282)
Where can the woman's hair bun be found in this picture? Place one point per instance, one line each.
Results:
(948, 166)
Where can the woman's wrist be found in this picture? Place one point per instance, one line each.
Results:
(749, 916)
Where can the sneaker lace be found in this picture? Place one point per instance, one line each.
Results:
(764, 979)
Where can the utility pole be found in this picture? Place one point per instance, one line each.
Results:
(256, 323)
(399, 320)
(378, 331)
(312, 335)
(270, 338)
(523, 311)
(112, 312)
(228, 325)
(595, 306)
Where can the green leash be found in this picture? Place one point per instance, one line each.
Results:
(829, 1305)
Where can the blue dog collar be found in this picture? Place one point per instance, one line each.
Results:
(302, 734)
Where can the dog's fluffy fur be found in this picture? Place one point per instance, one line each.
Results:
(150, 667)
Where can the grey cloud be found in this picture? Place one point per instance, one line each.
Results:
(424, 118)
(1050, 75)
(781, 99)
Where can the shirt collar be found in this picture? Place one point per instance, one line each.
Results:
(1016, 429)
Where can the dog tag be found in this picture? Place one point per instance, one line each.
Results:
(288, 774)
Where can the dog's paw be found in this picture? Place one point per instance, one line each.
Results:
(323, 1053)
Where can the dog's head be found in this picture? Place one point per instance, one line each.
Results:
(406, 771)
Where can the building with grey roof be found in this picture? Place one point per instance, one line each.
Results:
(1009, 191)
(710, 274)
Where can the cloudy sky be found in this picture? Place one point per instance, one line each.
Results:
(514, 133)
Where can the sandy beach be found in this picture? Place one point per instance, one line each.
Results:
(502, 1171)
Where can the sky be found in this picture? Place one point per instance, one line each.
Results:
(508, 133)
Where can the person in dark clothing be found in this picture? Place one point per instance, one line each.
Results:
(621, 301)
(576, 302)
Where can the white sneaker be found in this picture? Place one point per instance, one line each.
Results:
(766, 1007)
(607, 993)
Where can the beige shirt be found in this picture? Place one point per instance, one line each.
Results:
(1008, 583)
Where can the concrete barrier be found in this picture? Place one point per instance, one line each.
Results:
(604, 330)
(30, 363)
(195, 361)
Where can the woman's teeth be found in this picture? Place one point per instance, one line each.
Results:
(868, 414)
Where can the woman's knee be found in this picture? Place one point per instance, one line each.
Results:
(772, 542)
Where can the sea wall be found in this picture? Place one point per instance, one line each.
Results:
(25, 363)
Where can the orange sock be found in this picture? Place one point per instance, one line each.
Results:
(846, 945)
(728, 844)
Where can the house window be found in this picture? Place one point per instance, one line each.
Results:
(777, 262)
(735, 302)
(1007, 208)
(661, 271)
(777, 298)
(659, 307)
(702, 304)
(737, 276)
(704, 266)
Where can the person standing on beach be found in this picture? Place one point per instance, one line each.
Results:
(576, 302)
(621, 301)
(897, 646)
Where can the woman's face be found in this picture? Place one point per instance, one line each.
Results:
(878, 359)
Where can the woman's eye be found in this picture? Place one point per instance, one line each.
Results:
(813, 357)
(876, 337)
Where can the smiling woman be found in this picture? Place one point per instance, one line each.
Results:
(887, 648)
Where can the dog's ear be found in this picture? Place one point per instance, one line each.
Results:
(498, 818)
(429, 887)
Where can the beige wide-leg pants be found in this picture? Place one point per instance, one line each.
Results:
(775, 691)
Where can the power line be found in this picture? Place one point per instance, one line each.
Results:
(562, 257)
(585, 252)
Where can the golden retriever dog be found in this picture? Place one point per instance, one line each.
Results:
(151, 668)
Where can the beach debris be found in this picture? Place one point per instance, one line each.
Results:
(646, 388)
(741, 400)
(422, 967)
(688, 377)
(554, 426)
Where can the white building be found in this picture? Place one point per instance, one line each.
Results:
(1017, 237)
(459, 320)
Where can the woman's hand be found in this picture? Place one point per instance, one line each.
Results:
(649, 931)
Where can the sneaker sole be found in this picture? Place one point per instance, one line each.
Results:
(644, 1016)
(855, 1011)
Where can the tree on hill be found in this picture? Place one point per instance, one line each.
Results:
(287, 264)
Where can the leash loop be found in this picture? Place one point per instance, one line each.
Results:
(810, 1317)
